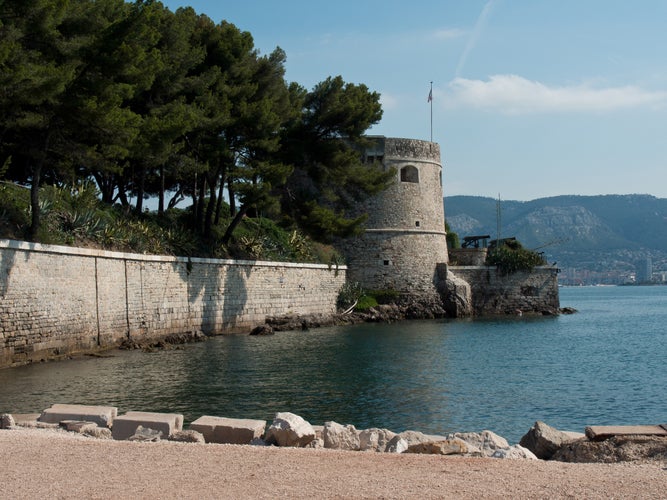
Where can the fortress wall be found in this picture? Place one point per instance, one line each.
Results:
(495, 293)
(400, 260)
(60, 300)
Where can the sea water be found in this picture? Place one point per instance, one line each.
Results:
(603, 365)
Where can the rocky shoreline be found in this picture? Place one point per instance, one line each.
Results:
(288, 430)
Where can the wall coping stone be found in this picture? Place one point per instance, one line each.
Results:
(411, 231)
(92, 252)
(544, 268)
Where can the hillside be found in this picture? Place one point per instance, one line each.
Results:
(609, 236)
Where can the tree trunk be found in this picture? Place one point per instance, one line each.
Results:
(140, 191)
(160, 205)
(235, 222)
(210, 208)
(34, 201)
(221, 190)
(37, 168)
(232, 198)
(199, 209)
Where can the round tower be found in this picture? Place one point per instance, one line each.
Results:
(405, 237)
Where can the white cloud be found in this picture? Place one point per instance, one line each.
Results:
(514, 94)
(388, 101)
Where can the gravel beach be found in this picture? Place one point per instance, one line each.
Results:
(53, 464)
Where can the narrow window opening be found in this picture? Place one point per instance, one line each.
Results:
(410, 174)
(416, 223)
(386, 262)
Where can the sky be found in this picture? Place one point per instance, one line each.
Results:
(531, 98)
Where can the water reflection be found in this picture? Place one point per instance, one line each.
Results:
(601, 366)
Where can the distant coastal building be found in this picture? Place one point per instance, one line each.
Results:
(645, 270)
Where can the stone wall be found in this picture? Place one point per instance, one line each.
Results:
(61, 300)
(495, 293)
(404, 261)
(467, 256)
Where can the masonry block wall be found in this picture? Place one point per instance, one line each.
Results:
(496, 293)
(61, 300)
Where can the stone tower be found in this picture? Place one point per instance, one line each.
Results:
(405, 237)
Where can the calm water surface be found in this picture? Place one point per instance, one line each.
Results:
(604, 365)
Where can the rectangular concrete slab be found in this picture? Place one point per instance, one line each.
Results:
(126, 425)
(103, 416)
(26, 419)
(228, 430)
(601, 432)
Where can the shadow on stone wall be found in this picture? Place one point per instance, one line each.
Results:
(6, 264)
(218, 293)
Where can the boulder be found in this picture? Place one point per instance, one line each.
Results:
(515, 452)
(544, 440)
(397, 445)
(262, 330)
(6, 421)
(188, 436)
(457, 297)
(97, 432)
(79, 426)
(615, 449)
(375, 439)
(289, 429)
(340, 437)
(146, 435)
(229, 430)
(444, 447)
(484, 443)
(410, 438)
(316, 443)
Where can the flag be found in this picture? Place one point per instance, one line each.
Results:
(430, 96)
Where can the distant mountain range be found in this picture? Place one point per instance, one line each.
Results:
(606, 238)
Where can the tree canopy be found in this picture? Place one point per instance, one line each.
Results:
(149, 103)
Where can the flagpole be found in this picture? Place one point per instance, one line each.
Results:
(430, 98)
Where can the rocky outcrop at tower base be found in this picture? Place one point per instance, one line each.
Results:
(457, 297)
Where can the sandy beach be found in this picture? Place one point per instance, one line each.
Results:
(49, 464)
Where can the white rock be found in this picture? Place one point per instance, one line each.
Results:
(412, 438)
(340, 437)
(289, 429)
(486, 442)
(6, 421)
(397, 445)
(447, 447)
(544, 440)
(515, 452)
(375, 439)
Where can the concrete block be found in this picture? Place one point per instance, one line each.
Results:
(228, 430)
(79, 426)
(103, 416)
(126, 425)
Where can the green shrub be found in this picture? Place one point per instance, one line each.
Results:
(349, 294)
(387, 296)
(510, 257)
(365, 303)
